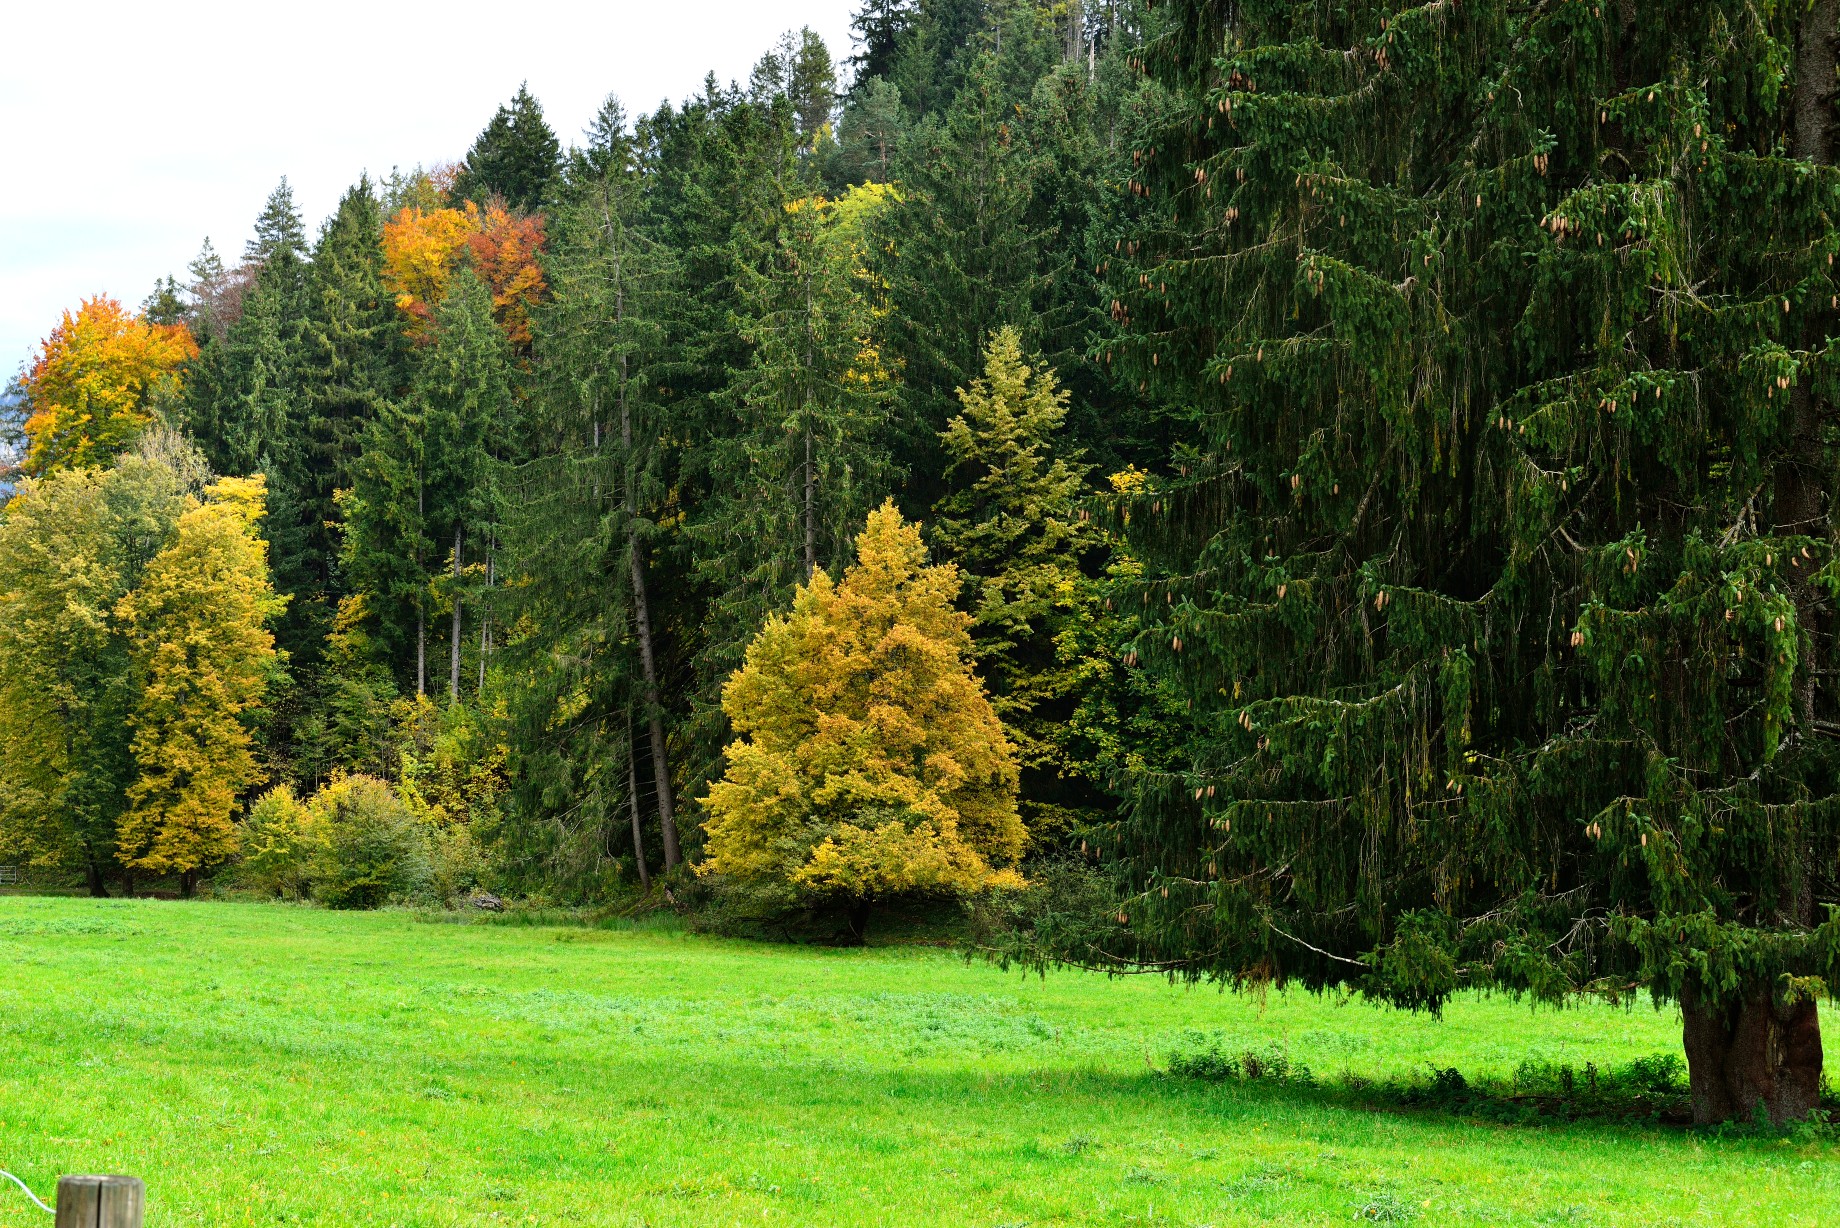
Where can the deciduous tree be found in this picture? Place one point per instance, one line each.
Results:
(202, 653)
(869, 763)
(99, 380)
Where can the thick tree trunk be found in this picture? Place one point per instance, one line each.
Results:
(632, 798)
(97, 888)
(858, 934)
(453, 639)
(1799, 502)
(1749, 1053)
(188, 883)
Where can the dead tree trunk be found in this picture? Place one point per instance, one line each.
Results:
(1752, 1052)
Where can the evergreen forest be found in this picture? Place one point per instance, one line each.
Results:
(1330, 493)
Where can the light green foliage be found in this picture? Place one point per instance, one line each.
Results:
(458, 1071)
(367, 848)
(279, 840)
(1014, 525)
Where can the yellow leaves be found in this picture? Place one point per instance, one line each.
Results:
(96, 382)
(870, 762)
(197, 630)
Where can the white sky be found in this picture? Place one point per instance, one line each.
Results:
(130, 131)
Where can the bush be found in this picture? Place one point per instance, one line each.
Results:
(279, 842)
(373, 850)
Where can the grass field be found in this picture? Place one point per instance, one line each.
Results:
(279, 1065)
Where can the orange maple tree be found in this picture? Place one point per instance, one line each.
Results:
(97, 382)
(422, 248)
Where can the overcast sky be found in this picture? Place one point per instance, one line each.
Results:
(129, 132)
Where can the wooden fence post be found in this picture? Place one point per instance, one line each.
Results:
(100, 1202)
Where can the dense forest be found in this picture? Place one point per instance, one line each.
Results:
(1320, 492)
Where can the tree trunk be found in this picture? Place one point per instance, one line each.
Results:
(661, 770)
(1799, 498)
(485, 616)
(188, 883)
(642, 620)
(421, 651)
(1752, 1052)
(858, 935)
(632, 798)
(453, 639)
(97, 888)
(811, 521)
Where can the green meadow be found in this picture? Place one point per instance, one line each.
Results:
(264, 1064)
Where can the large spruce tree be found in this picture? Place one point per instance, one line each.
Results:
(1497, 565)
(515, 157)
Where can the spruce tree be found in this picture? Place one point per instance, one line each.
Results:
(1012, 522)
(278, 228)
(719, 180)
(962, 255)
(584, 528)
(870, 133)
(517, 157)
(877, 30)
(1495, 563)
(425, 493)
(354, 359)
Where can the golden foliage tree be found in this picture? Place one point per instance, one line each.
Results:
(72, 544)
(97, 382)
(870, 764)
(423, 248)
(197, 626)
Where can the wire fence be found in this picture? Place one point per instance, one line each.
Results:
(28, 1189)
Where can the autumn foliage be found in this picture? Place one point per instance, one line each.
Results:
(422, 248)
(869, 763)
(202, 650)
(97, 382)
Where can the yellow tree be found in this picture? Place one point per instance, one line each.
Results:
(202, 650)
(870, 764)
(97, 382)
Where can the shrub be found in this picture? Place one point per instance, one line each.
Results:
(279, 842)
(373, 850)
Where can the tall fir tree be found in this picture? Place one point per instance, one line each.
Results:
(1012, 522)
(962, 254)
(1495, 564)
(877, 29)
(516, 157)
(354, 359)
(584, 527)
(426, 485)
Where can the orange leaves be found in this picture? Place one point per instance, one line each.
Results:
(95, 383)
(505, 248)
(423, 247)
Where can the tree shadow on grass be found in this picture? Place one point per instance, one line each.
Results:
(1648, 1090)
